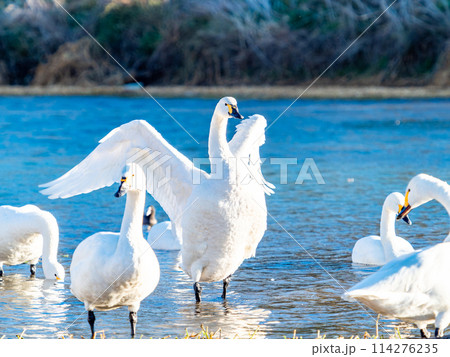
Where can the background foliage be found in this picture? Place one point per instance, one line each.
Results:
(223, 41)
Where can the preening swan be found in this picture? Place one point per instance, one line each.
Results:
(423, 188)
(160, 235)
(378, 250)
(26, 234)
(411, 288)
(110, 270)
(220, 217)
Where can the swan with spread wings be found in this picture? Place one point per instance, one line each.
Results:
(220, 217)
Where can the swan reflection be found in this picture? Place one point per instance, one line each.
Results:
(31, 304)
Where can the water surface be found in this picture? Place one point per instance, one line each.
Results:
(363, 149)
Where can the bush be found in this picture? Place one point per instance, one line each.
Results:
(233, 41)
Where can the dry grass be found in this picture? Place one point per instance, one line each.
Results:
(256, 92)
(214, 42)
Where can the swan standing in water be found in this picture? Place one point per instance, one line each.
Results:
(220, 217)
(423, 188)
(160, 235)
(110, 270)
(411, 288)
(26, 234)
(378, 250)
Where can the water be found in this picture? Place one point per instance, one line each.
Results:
(363, 149)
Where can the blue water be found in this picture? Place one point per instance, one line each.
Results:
(363, 149)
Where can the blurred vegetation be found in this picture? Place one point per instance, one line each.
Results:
(228, 42)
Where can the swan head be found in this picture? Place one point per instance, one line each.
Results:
(133, 179)
(227, 108)
(149, 217)
(394, 203)
(418, 192)
(53, 271)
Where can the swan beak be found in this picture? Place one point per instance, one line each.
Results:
(404, 213)
(233, 111)
(407, 220)
(236, 114)
(121, 191)
(58, 278)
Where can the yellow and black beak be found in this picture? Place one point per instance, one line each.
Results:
(233, 111)
(404, 210)
(121, 191)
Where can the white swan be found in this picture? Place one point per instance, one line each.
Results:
(110, 270)
(423, 188)
(220, 217)
(378, 250)
(411, 288)
(160, 235)
(26, 234)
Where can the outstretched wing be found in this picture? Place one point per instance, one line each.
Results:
(245, 144)
(169, 173)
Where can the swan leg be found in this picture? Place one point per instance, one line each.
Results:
(424, 333)
(91, 320)
(226, 282)
(439, 333)
(1, 270)
(133, 322)
(33, 269)
(198, 291)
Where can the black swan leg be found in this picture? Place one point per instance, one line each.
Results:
(133, 322)
(226, 282)
(33, 269)
(198, 292)
(91, 320)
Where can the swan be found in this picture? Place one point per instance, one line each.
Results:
(423, 188)
(411, 288)
(160, 235)
(110, 270)
(26, 234)
(220, 217)
(378, 250)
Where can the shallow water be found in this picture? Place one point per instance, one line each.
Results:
(363, 149)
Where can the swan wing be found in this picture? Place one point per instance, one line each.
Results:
(245, 144)
(169, 173)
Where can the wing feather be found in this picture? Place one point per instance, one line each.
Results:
(169, 173)
(249, 136)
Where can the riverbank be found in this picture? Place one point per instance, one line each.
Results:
(250, 92)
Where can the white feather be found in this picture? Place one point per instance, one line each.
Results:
(378, 250)
(220, 220)
(411, 288)
(26, 234)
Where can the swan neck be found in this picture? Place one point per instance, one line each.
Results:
(441, 193)
(50, 239)
(387, 228)
(131, 227)
(218, 146)
(151, 219)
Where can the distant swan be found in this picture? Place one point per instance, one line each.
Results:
(412, 288)
(110, 270)
(378, 250)
(26, 234)
(423, 188)
(221, 216)
(160, 235)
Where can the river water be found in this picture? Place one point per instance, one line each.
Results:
(363, 150)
